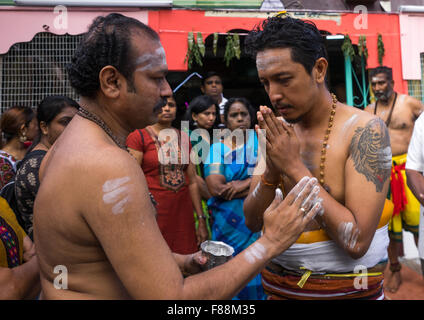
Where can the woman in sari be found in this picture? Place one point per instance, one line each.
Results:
(228, 174)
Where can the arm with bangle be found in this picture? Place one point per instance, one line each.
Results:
(261, 187)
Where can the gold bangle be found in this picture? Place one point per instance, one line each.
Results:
(268, 183)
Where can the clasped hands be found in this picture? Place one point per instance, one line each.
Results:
(282, 144)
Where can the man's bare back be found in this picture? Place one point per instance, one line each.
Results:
(90, 274)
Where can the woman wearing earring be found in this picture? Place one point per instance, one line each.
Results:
(53, 114)
(203, 114)
(18, 127)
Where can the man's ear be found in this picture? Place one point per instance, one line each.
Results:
(203, 89)
(320, 70)
(111, 81)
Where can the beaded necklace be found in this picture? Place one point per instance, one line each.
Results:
(325, 142)
(92, 117)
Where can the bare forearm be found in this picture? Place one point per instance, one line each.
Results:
(203, 188)
(225, 281)
(23, 282)
(257, 201)
(195, 198)
(415, 181)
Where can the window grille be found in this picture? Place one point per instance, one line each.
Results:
(33, 70)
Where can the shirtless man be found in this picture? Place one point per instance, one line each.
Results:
(399, 112)
(347, 149)
(93, 218)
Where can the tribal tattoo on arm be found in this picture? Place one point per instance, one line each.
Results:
(371, 152)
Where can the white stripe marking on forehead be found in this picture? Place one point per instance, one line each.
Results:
(158, 58)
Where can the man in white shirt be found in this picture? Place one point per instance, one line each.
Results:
(414, 173)
(212, 86)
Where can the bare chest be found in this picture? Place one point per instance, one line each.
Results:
(401, 117)
(326, 161)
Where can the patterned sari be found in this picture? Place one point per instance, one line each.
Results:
(228, 216)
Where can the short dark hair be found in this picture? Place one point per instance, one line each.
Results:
(198, 105)
(382, 69)
(209, 74)
(107, 42)
(302, 37)
(246, 103)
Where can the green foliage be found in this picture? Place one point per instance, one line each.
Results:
(215, 43)
(195, 50)
(232, 48)
(380, 48)
(347, 48)
(362, 47)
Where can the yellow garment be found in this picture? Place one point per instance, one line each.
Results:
(8, 221)
(321, 235)
(409, 219)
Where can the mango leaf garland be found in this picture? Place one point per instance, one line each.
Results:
(236, 45)
(347, 48)
(201, 44)
(380, 48)
(194, 51)
(229, 50)
(362, 47)
(215, 43)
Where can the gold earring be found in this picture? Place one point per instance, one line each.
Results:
(23, 138)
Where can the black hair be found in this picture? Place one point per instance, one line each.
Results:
(209, 74)
(382, 69)
(107, 42)
(48, 109)
(51, 106)
(198, 105)
(302, 37)
(248, 106)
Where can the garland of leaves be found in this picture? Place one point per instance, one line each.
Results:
(232, 49)
(196, 50)
(347, 48)
(380, 48)
(362, 47)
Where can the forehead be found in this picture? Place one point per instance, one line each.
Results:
(237, 107)
(213, 79)
(379, 77)
(210, 109)
(276, 60)
(149, 54)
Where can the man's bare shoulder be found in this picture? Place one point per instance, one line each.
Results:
(370, 108)
(355, 117)
(414, 104)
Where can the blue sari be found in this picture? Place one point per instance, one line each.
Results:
(228, 216)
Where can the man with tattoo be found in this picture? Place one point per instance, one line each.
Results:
(399, 112)
(93, 218)
(346, 149)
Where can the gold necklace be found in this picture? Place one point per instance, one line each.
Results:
(325, 142)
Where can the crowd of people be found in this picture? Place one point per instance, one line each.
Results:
(124, 197)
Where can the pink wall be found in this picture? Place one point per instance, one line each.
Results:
(22, 24)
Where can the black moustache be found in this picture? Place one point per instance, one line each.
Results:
(158, 107)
